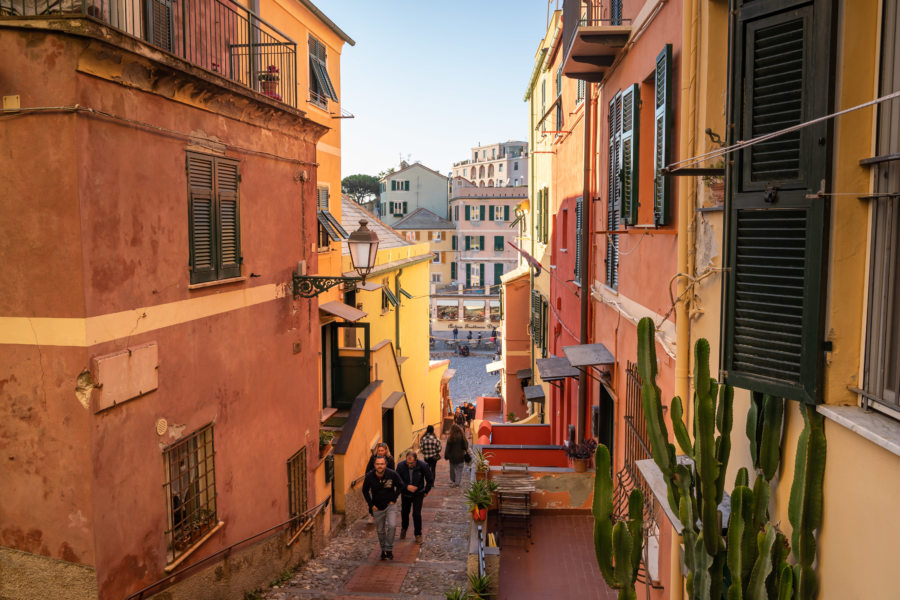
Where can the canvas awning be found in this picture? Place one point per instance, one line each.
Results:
(555, 368)
(494, 366)
(534, 393)
(588, 355)
(344, 311)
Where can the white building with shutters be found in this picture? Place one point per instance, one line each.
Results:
(411, 187)
(504, 164)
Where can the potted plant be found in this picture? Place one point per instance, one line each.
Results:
(478, 499)
(580, 453)
(482, 464)
(481, 585)
(268, 81)
(325, 438)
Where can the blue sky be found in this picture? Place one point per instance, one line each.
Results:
(428, 80)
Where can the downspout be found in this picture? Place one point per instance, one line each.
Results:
(589, 106)
(686, 212)
(397, 312)
(531, 191)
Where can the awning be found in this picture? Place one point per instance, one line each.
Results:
(392, 400)
(534, 393)
(588, 355)
(331, 226)
(555, 368)
(524, 374)
(344, 311)
(494, 366)
(369, 286)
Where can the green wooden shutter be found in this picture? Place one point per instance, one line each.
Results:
(545, 215)
(537, 215)
(506, 213)
(203, 246)
(468, 275)
(631, 135)
(227, 184)
(498, 273)
(481, 212)
(776, 234)
(406, 185)
(579, 210)
(393, 186)
(537, 327)
(491, 212)
(405, 207)
(467, 211)
(498, 242)
(468, 243)
(481, 242)
(453, 271)
(613, 191)
(662, 136)
(545, 327)
(453, 242)
(481, 280)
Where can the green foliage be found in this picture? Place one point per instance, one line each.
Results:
(284, 576)
(457, 593)
(361, 187)
(325, 436)
(478, 495)
(480, 585)
(755, 553)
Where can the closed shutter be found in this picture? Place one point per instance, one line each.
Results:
(776, 233)
(481, 212)
(160, 24)
(491, 213)
(498, 242)
(453, 242)
(613, 191)
(393, 186)
(481, 280)
(506, 213)
(498, 273)
(481, 242)
(537, 326)
(322, 198)
(203, 245)
(545, 216)
(406, 185)
(545, 325)
(537, 215)
(631, 135)
(227, 179)
(405, 207)
(468, 275)
(467, 212)
(468, 243)
(662, 135)
(579, 210)
(453, 271)
(430, 235)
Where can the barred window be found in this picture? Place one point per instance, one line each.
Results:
(190, 490)
(296, 471)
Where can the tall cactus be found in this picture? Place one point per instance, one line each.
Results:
(754, 553)
(618, 547)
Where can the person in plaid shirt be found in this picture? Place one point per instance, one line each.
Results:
(430, 446)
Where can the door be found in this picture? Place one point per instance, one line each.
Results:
(387, 430)
(349, 362)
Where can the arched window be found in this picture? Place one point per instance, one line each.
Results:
(490, 183)
(472, 174)
(490, 171)
(481, 183)
(481, 171)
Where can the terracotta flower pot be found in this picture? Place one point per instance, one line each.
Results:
(479, 514)
(579, 464)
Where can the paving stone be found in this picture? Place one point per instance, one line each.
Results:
(382, 578)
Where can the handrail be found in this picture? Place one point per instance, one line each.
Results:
(481, 567)
(175, 576)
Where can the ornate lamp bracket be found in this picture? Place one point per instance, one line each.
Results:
(308, 286)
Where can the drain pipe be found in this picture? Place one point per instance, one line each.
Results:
(397, 312)
(589, 107)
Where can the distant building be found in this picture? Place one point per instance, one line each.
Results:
(413, 186)
(423, 225)
(496, 165)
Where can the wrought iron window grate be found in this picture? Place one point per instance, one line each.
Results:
(190, 490)
(296, 471)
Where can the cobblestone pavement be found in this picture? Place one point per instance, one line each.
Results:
(471, 380)
(350, 566)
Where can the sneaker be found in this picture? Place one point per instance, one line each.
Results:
(390, 555)
(402, 534)
(383, 555)
(418, 539)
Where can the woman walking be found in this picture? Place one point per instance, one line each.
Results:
(456, 452)
(381, 450)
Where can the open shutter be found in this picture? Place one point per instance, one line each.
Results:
(227, 180)
(468, 243)
(160, 19)
(537, 215)
(537, 326)
(628, 170)
(579, 223)
(776, 233)
(481, 242)
(545, 327)
(481, 212)
(405, 207)
(453, 271)
(468, 275)
(481, 280)
(662, 135)
(203, 246)
(545, 216)
(491, 212)
(613, 190)
(498, 273)
(453, 242)
(506, 213)
(467, 212)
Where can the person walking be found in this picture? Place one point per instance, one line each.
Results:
(455, 333)
(456, 451)
(380, 489)
(381, 449)
(417, 481)
(431, 448)
(459, 417)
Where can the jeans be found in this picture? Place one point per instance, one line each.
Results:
(432, 463)
(456, 470)
(386, 526)
(415, 503)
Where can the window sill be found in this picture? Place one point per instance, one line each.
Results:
(174, 564)
(200, 286)
(879, 429)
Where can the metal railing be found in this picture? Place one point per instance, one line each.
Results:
(481, 567)
(219, 36)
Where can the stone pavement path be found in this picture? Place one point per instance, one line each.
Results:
(350, 566)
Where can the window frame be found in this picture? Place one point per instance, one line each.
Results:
(208, 187)
(321, 88)
(298, 489)
(196, 522)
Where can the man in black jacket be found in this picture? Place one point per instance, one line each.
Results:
(417, 481)
(380, 489)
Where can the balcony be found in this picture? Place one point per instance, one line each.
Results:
(216, 35)
(594, 34)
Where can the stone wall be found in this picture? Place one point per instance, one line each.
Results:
(40, 577)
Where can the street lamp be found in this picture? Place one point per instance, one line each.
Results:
(363, 245)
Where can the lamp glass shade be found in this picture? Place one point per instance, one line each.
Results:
(363, 244)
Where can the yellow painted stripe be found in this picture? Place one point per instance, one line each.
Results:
(328, 149)
(48, 331)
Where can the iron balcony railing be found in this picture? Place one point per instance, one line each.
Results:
(217, 35)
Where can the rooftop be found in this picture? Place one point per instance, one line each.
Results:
(422, 218)
(352, 213)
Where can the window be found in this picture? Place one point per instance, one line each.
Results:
(663, 117)
(297, 495)
(498, 243)
(320, 86)
(160, 30)
(437, 258)
(516, 166)
(474, 242)
(579, 226)
(399, 186)
(214, 212)
(882, 358)
(539, 324)
(190, 490)
(388, 299)
(473, 214)
(322, 198)
(435, 278)
(501, 213)
(456, 213)
(580, 92)
(324, 239)
(438, 236)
